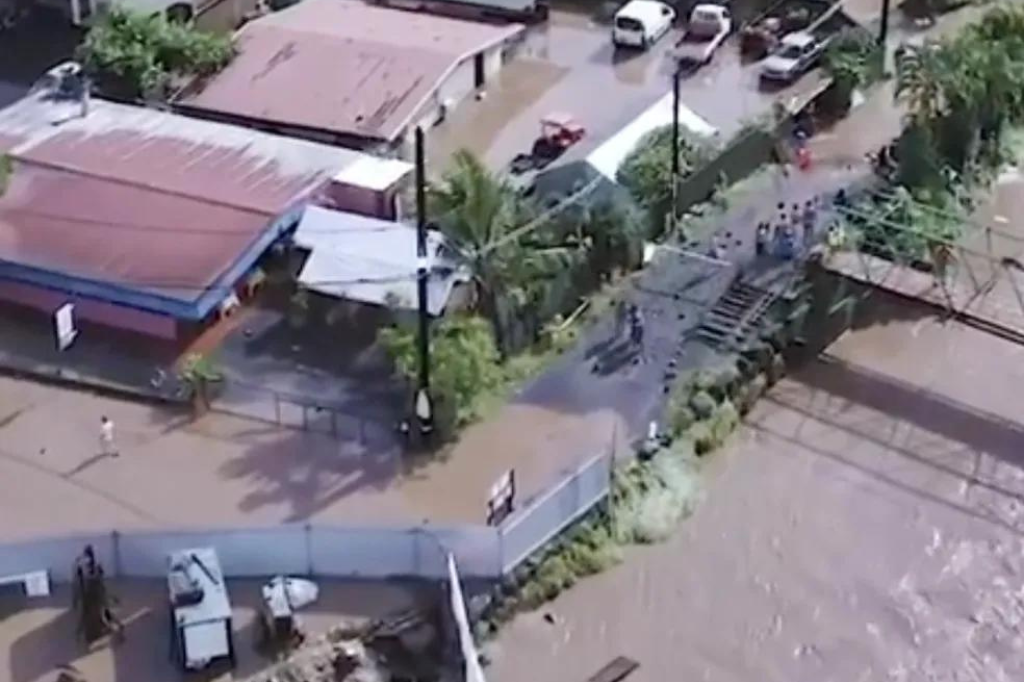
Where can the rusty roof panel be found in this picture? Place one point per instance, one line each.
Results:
(343, 67)
(105, 231)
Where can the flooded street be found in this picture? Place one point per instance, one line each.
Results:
(864, 525)
(570, 65)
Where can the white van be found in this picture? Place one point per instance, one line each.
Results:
(639, 23)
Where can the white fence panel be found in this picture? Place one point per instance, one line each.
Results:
(242, 553)
(527, 530)
(477, 550)
(363, 552)
(56, 555)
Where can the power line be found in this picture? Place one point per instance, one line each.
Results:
(200, 231)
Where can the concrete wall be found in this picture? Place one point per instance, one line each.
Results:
(99, 312)
(222, 15)
(361, 200)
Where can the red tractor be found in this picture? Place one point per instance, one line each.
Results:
(558, 132)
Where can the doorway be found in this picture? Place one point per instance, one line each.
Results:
(478, 71)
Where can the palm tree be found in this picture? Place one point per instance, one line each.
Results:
(498, 235)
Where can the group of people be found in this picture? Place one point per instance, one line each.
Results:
(791, 232)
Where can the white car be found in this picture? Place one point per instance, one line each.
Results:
(797, 53)
(639, 23)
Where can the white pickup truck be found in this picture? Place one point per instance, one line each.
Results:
(707, 29)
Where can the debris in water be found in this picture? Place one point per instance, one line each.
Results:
(805, 650)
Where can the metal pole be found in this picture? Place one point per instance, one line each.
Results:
(423, 408)
(675, 143)
(883, 30)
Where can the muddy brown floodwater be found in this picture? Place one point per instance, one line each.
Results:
(865, 525)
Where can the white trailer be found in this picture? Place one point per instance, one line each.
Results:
(200, 609)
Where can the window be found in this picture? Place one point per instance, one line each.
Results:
(628, 24)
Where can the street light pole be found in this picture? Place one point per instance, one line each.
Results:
(675, 143)
(883, 30)
(423, 407)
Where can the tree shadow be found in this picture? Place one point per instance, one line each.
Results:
(309, 472)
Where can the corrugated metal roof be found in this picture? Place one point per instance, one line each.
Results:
(372, 261)
(146, 208)
(83, 227)
(156, 149)
(342, 66)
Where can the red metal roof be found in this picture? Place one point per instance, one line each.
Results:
(343, 67)
(207, 172)
(103, 230)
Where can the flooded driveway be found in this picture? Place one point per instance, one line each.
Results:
(865, 525)
(569, 65)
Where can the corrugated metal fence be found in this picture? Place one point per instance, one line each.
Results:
(333, 551)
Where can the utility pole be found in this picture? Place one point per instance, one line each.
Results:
(675, 143)
(423, 406)
(883, 30)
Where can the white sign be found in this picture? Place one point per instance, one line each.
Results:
(64, 323)
(501, 500)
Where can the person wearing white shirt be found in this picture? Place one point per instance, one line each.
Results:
(107, 445)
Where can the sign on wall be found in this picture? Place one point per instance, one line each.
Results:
(501, 498)
(64, 325)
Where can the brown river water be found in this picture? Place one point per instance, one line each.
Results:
(864, 525)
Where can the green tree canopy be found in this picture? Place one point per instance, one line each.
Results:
(647, 170)
(962, 95)
(510, 248)
(464, 363)
(133, 54)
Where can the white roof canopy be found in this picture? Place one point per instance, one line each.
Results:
(609, 156)
(372, 261)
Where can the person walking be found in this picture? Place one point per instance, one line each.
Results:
(810, 220)
(636, 329)
(107, 445)
(763, 239)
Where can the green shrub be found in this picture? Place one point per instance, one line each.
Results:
(704, 380)
(6, 169)
(751, 393)
(646, 172)
(727, 382)
(135, 53)
(702, 437)
(679, 414)
(702, 404)
(672, 494)
(724, 422)
(464, 363)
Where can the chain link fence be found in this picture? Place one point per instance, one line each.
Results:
(300, 412)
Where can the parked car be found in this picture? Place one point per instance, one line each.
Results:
(639, 23)
(707, 29)
(797, 53)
